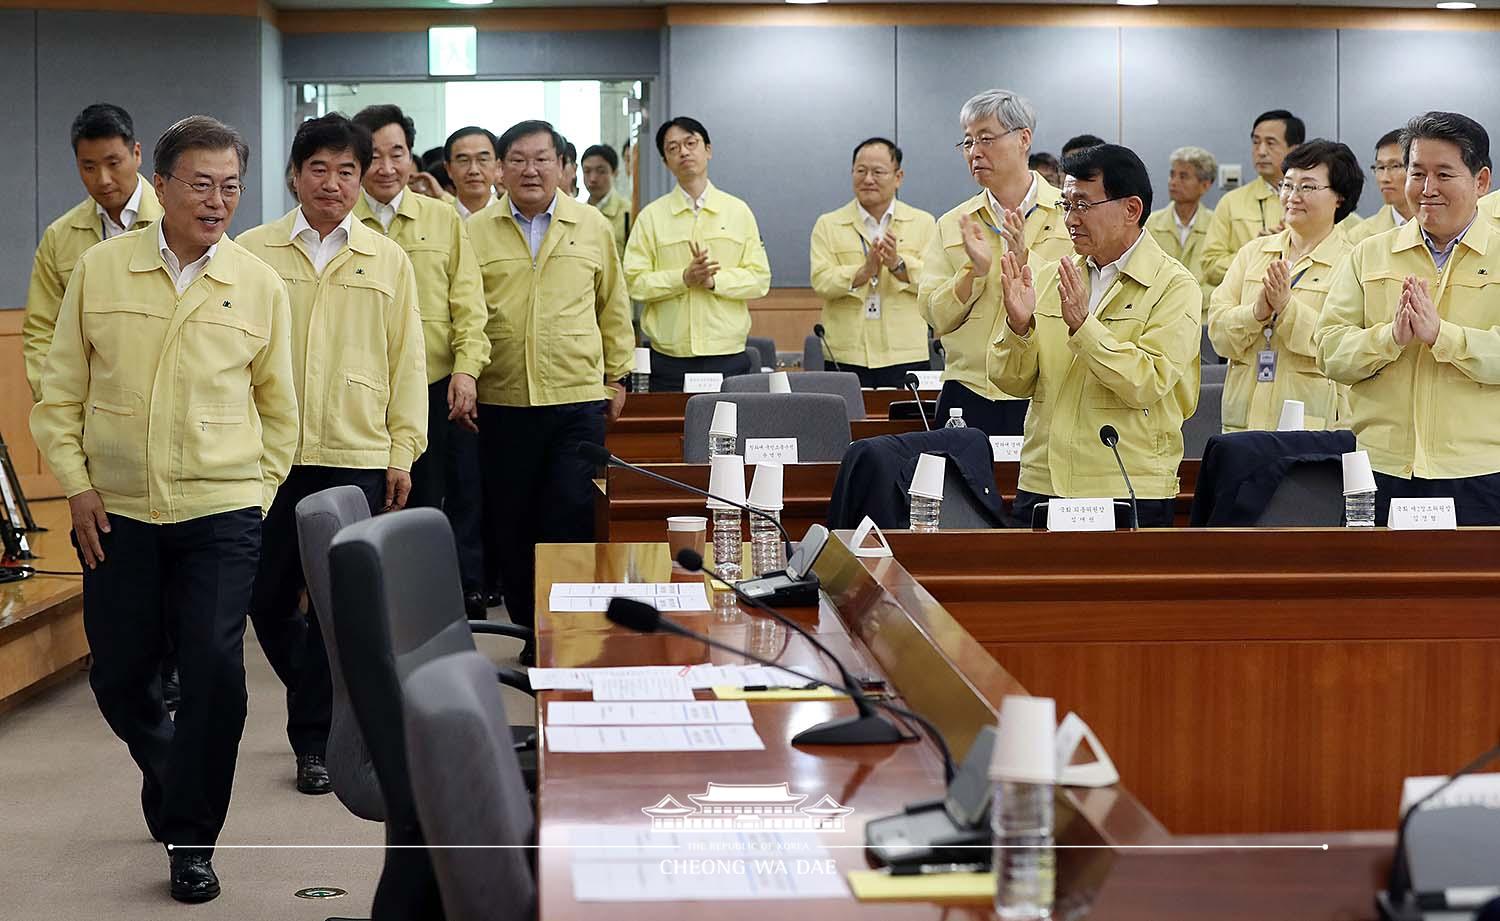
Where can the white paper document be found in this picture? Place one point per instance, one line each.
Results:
(595, 596)
(696, 676)
(641, 687)
(617, 864)
(646, 713)
(591, 739)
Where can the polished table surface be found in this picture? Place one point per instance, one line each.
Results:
(1244, 680)
(901, 633)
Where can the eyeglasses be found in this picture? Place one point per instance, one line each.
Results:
(462, 161)
(520, 163)
(985, 141)
(691, 142)
(878, 174)
(1082, 208)
(204, 189)
(1304, 188)
(1378, 168)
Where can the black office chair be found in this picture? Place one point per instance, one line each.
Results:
(1310, 495)
(876, 473)
(398, 603)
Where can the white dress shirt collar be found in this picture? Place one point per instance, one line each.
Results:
(1101, 278)
(1027, 203)
(1183, 230)
(874, 228)
(128, 214)
(464, 213)
(320, 250)
(384, 213)
(182, 275)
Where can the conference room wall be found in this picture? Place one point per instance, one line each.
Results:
(1176, 92)
(1380, 86)
(784, 108)
(274, 197)
(158, 66)
(18, 172)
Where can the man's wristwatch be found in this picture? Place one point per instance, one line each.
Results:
(900, 268)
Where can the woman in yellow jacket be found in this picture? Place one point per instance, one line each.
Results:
(1263, 315)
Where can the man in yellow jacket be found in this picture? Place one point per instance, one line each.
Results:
(1109, 337)
(600, 163)
(562, 346)
(469, 155)
(1252, 210)
(359, 364)
(1181, 227)
(1390, 177)
(169, 416)
(694, 258)
(866, 258)
(454, 315)
(109, 162)
(1409, 325)
(959, 291)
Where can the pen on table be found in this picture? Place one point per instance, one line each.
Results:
(933, 869)
(765, 687)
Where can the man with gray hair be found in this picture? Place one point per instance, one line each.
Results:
(1409, 324)
(169, 416)
(1017, 211)
(1181, 227)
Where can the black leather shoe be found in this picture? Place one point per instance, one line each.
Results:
(493, 598)
(193, 877)
(474, 605)
(312, 776)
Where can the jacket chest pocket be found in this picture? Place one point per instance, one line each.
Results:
(1121, 329)
(430, 265)
(1382, 294)
(1472, 300)
(215, 337)
(120, 332)
(724, 246)
(507, 291)
(567, 282)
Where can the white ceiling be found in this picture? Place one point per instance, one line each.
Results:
(503, 4)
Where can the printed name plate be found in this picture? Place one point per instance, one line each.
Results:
(1081, 515)
(702, 383)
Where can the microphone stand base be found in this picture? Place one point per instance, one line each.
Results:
(779, 590)
(865, 729)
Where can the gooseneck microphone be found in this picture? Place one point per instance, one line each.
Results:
(912, 383)
(818, 331)
(600, 456)
(1111, 439)
(643, 618)
(1397, 902)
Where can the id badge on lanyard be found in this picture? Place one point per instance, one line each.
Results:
(1265, 359)
(872, 295)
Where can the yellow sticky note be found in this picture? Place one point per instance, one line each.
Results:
(821, 692)
(877, 886)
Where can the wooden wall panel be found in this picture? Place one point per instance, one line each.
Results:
(15, 411)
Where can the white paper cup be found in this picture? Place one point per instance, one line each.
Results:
(765, 488)
(780, 383)
(1358, 477)
(726, 418)
(928, 480)
(1025, 747)
(1292, 412)
(726, 478)
(643, 361)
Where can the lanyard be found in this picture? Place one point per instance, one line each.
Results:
(1029, 212)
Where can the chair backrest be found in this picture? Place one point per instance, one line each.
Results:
(819, 422)
(1311, 495)
(1207, 422)
(876, 473)
(842, 383)
(469, 789)
(937, 356)
(961, 510)
(764, 346)
(391, 586)
(1206, 350)
(320, 517)
(1212, 372)
(812, 354)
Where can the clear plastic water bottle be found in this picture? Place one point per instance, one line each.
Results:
(925, 513)
(720, 444)
(767, 552)
(727, 543)
(955, 419)
(1359, 510)
(1025, 860)
(640, 381)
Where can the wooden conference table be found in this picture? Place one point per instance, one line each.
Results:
(632, 507)
(649, 431)
(881, 621)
